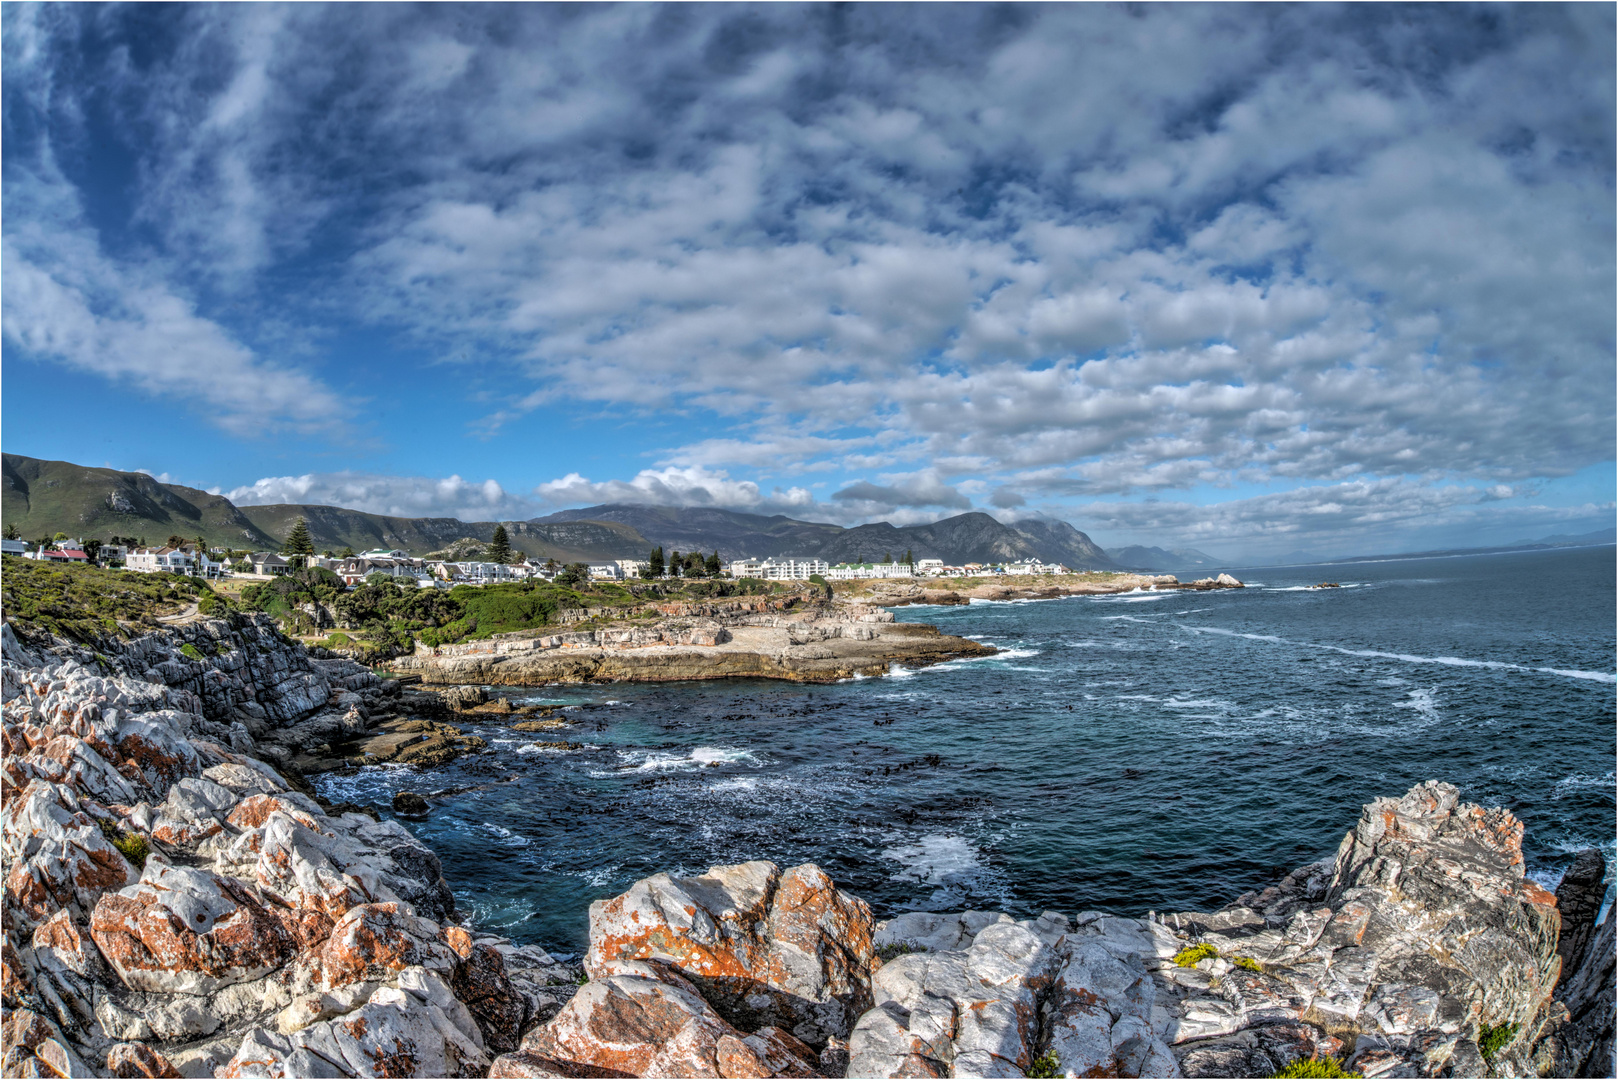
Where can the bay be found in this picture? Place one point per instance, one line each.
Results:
(1153, 750)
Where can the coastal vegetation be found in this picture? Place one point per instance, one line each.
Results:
(1192, 955)
(1492, 1040)
(84, 603)
(1316, 1069)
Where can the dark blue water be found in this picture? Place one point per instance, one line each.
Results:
(1143, 751)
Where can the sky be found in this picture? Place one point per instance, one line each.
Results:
(1255, 280)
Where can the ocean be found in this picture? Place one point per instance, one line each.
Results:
(1126, 753)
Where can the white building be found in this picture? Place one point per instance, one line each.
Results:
(487, 573)
(606, 572)
(929, 567)
(860, 571)
(631, 568)
(791, 569)
(12, 547)
(741, 568)
(168, 560)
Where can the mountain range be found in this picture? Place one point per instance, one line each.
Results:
(42, 498)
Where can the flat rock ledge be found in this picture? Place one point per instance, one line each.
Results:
(813, 643)
(177, 905)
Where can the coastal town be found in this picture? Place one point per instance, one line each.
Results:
(499, 564)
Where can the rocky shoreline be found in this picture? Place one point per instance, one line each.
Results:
(802, 639)
(177, 903)
(900, 592)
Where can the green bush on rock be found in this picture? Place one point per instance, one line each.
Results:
(1191, 954)
(1492, 1040)
(1315, 1069)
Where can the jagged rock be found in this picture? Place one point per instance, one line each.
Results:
(766, 947)
(136, 1059)
(187, 931)
(646, 1020)
(372, 941)
(59, 856)
(400, 1030)
(480, 981)
(410, 804)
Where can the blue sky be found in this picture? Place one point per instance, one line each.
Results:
(1257, 280)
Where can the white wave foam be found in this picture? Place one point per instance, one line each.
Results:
(934, 859)
(700, 758)
(1449, 661)
(1420, 701)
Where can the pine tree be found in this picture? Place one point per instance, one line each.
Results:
(714, 566)
(12, 533)
(887, 557)
(910, 557)
(348, 553)
(674, 563)
(298, 544)
(500, 546)
(654, 563)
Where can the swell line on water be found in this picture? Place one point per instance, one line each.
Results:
(1448, 661)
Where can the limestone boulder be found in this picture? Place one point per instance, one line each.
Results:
(374, 941)
(188, 931)
(402, 1030)
(59, 855)
(136, 1059)
(647, 1020)
(480, 981)
(766, 948)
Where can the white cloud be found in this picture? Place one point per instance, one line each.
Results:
(675, 486)
(394, 496)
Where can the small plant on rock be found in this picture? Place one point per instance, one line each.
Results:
(1311, 1068)
(1191, 954)
(131, 846)
(1247, 962)
(1492, 1040)
(191, 652)
(897, 949)
(1045, 1066)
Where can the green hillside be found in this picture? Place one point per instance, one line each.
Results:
(43, 498)
(333, 528)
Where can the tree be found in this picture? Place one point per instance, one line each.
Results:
(654, 564)
(12, 532)
(92, 548)
(714, 567)
(674, 563)
(298, 544)
(175, 540)
(348, 553)
(887, 557)
(500, 546)
(202, 553)
(573, 574)
(910, 557)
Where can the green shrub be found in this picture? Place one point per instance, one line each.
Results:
(1045, 1066)
(1492, 1040)
(1315, 1069)
(131, 846)
(899, 948)
(191, 652)
(1247, 962)
(1188, 956)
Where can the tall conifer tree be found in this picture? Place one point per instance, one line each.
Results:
(500, 546)
(298, 544)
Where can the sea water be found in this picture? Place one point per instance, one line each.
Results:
(1147, 750)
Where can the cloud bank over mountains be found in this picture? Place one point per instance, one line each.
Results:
(1173, 272)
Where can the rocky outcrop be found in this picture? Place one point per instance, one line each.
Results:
(1393, 958)
(820, 645)
(175, 906)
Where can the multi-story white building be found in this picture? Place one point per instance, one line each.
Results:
(488, 573)
(860, 571)
(631, 568)
(168, 560)
(791, 569)
(606, 572)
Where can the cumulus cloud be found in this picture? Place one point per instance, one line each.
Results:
(675, 486)
(394, 496)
